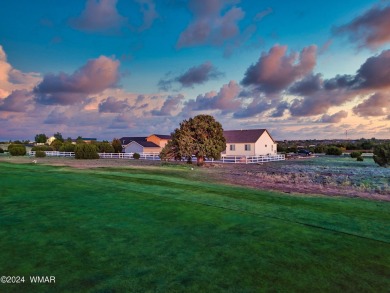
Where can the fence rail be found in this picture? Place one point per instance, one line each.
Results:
(155, 157)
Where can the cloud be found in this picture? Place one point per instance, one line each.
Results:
(275, 71)
(12, 79)
(99, 16)
(227, 99)
(170, 106)
(335, 118)
(112, 105)
(209, 25)
(64, 89)
(257, 106)
(17, 101)
(308, 85)
(376, 105)
(320, 102)
(259, 16)
(149, 13)
(195, 75)
(375, 72)
(371, 29)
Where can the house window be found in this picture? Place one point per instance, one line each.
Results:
(247, 147)
(272, 147)
(265, 145)
(232, 147)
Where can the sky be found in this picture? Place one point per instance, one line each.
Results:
(111, 68)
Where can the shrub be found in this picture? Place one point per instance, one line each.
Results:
(17, 149)
(355, 154)
(1, 151)
(44, 148)
(382, 155)
(136, 156)
(86, 151)
(40, 154)
(56, 144)
(334, 151)
(67, 147)
(360, 159)
(105, 147)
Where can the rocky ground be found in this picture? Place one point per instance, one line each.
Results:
(304, 176)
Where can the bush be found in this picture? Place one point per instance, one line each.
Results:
(40, 154)
(360, 159)
(136, 156)
(382, 155)
(67, 147)
(334, 151)
(44, 148)
(1, 151)
(356, 154)
(86, 151)
(105, 147)
(17, 149)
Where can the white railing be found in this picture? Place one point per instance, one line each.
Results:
(249, 159)
(155, 157)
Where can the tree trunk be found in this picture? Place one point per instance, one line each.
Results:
(200, 161)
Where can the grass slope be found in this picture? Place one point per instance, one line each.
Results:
(166, 230)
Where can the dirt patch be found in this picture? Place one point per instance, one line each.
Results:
(287, 176)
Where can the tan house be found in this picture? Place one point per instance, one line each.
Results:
(251, 142)
(159, 139)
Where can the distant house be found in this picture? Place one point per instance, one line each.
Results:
(50, 140)
(89, 139)
(251, 142)
(159, 139)
(151, 144)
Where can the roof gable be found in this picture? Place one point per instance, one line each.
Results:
(161, 136)
(244, 136)
(127, 139)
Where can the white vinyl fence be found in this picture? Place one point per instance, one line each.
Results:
(155, 157)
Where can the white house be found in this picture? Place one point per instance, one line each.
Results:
(250, 142)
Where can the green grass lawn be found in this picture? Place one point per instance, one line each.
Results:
(164, 229)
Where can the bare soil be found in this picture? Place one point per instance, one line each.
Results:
(267, 176)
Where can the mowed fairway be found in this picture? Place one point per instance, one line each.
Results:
(165, 229)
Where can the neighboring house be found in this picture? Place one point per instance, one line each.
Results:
(159, 139)
(251, 142)
(89, 139)
(50, 140)
(151, 144)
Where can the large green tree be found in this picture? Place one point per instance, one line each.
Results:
(201, 136)
(40, 138)
(382, 155)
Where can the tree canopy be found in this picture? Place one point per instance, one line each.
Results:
(382, 155)
(201, 136)
(116, 144)
(40, 138)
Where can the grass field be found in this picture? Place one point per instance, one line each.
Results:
(165, 229)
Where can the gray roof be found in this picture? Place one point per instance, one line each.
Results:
(127, 139)
(146, 144)
(243, 136)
